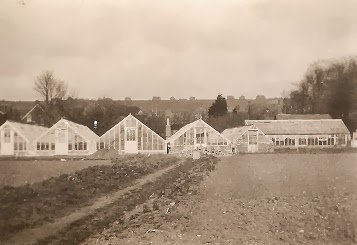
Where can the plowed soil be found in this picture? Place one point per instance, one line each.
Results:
(42, 202)
(251, 199)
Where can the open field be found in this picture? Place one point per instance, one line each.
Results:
(247, 199)
(29, 206)
(254, 199)
(16, 173)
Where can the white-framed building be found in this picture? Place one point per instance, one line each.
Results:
(354, 140)
(131, 136)
(198, 135)
(66, 138)
(321, 133)
(248, 139)
(18, 138)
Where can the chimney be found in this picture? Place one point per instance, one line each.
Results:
(168, 128)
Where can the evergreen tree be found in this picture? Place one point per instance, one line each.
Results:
(218, 107)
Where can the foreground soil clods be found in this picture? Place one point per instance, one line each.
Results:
(163, 211)
(248, 199)
(265, 199)
(32, 205)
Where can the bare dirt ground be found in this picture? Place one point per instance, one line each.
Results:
(30, 206)
(251, 199)
(32, 236)
(17, 173)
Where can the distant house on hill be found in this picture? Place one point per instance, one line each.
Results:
(128, 101)
(260, 99)
(169, 113)
(302, 116)
(37, 115)
(242, 104)
(232, 103)
(156, 98)
(140, 113)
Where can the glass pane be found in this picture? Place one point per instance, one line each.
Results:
(253, 138)
(7, 137)
(61, 136)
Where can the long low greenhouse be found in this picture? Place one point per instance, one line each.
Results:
(321, 133)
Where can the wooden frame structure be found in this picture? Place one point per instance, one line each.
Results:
(248, 139)
(323, 133)
(18, 138)
(131, 136)
(198, 135)
(66, 138)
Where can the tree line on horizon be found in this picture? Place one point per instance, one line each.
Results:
(326, 88)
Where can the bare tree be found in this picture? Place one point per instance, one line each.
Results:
(50, 87)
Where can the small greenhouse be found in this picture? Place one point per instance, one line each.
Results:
(18, 138)
(248, 139)
(67, 138)
(198, 135)
(132, 136)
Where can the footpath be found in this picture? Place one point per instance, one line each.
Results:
(34, 235)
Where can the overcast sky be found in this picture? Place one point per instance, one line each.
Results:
(180, 48)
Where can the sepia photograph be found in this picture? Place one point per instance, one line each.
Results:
(178, 122)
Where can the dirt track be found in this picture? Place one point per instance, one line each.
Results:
(31, 236)
(255, 199)
(30, 206)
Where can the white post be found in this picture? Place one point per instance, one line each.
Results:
(334, 139)
(136, 134)
(115, 145)
(119, 142)
(205, 136)
(307, 139)
(142, 137)
(194, 136)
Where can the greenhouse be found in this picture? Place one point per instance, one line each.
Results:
(248, 139)
(323, 133)
(18, 138)
(198, 135)
(66, 138)
(131, 136)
